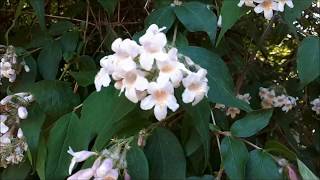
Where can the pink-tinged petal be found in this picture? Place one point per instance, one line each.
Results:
(102, 79)
(176, 78)
(84, 174)
(104, 168)
(258, 9)
(290, 3)
(126, 175)
(115, 46)
(127, 64)
(131, 94)
(141, 83)
(22, 112)
(160, 56)
(160, 112)
(113, 174)
(146, 61)
(197, 99)
(268, 14)
(173, 54)
(187, 96)
(96, 164)
(275, 6)
(163, 78)
(281, 7)
(20, 133)
(147, 103)
(3, 128)
(172, 103)
(152, 87)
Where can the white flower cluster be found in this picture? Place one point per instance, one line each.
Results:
(109, 164)
(270, 100)
(266, 6)
(316, 105)
(9, 66)
(149, 73)
(12, 142)
(233, 111)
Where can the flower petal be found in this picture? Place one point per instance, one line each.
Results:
(172, 103)
(105, 166)
(258, 9)
(147, 103)
(187, 96)
(160, 111)
(146, 61)
(84, 174)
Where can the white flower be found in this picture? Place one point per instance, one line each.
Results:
(316, 105)
(5, 138)
(289, 103)
(196, 86)
(102, 79)
(78, 157)
(282, 3)
(132, 82)
(153, 42)
(20, 133)
(84, 174)
(279, 101)
(220, 106)
(162, 97)
(246, 2)
(232, 111)
(266, 6)
(171, 69)
(106, 171)
(245, 97)
(22, 112)
(125, 52)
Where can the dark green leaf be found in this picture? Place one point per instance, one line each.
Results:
(109, 5)
(252, 123)
(163, 17)
(38, 6)
(69, 42)
(279, 149)
(165, 156)
(205, 177)
(230, 13)
(49, 59)
(84, 78)
(60, 27)
(262, 166)
(220, 82)
(235, 156)
(305, 172)
(137, 164)
(41, 158)
(86, 63)
(308, 58)
(196, 16)
(16, 172)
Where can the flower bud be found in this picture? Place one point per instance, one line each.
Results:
(78, 157)
(22, 112)
(20, 133)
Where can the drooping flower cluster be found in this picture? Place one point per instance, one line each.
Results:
(9, 66)
(110, 164)
(12, 142)
(150, 72)
(266, 6)
(233, 111)
(270, 100)
(316, 105)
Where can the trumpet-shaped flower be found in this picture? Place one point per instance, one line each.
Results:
(161, 97)
(266, 6)
(84, 174)
(232, 112)
(171, 69)
(247, 3)
(153, 42)
(79, 157)
(196, 86)
(282, 3)
(106, 171)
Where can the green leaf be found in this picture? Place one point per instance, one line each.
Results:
(109, 5)
(219, 79)
(205, 177)
(16, 172)
(196, 16)
(230, 14)
(262, 166)
(32, 129)
(308, 58)
(252, 123)
(62, 135)
(38, 6)
(60, 27)
(163, 17)
(56, 98)
(138, 167)
(84, 78)
(49, 59)
(41, 158)
(305, 172)
(165, 156)
(235, 156)
(279, 149)
(86, 63)
(291, 15)
(69, 42)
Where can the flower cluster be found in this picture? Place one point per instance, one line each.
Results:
(109, 164)
(266, 6)
(150, 72)
(316, 105)
(270, 100)
(12, 142)
(9, 66)
(233, 111)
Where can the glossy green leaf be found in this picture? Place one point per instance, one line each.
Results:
(138, 167)
(279, 149)
(235, 155)
(251, 124)
(262, 166)
(219, 79)
(84, 78)
(305, 172)
(16, 172)
(163, 17)
(38, 7)
(196, 16)
(165, 156)
(230, 14)
(41, 158)
(308, 59)
(49, 59)
(69, 42)
(109, 5)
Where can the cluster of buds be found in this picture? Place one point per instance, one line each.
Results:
(150, 72)
(12, 142)
(233, 111)
(266, 6)
(109, 164)
(9, 65)
(270, 100)
(316, 105)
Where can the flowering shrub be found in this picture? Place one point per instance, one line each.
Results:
(159, 89)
